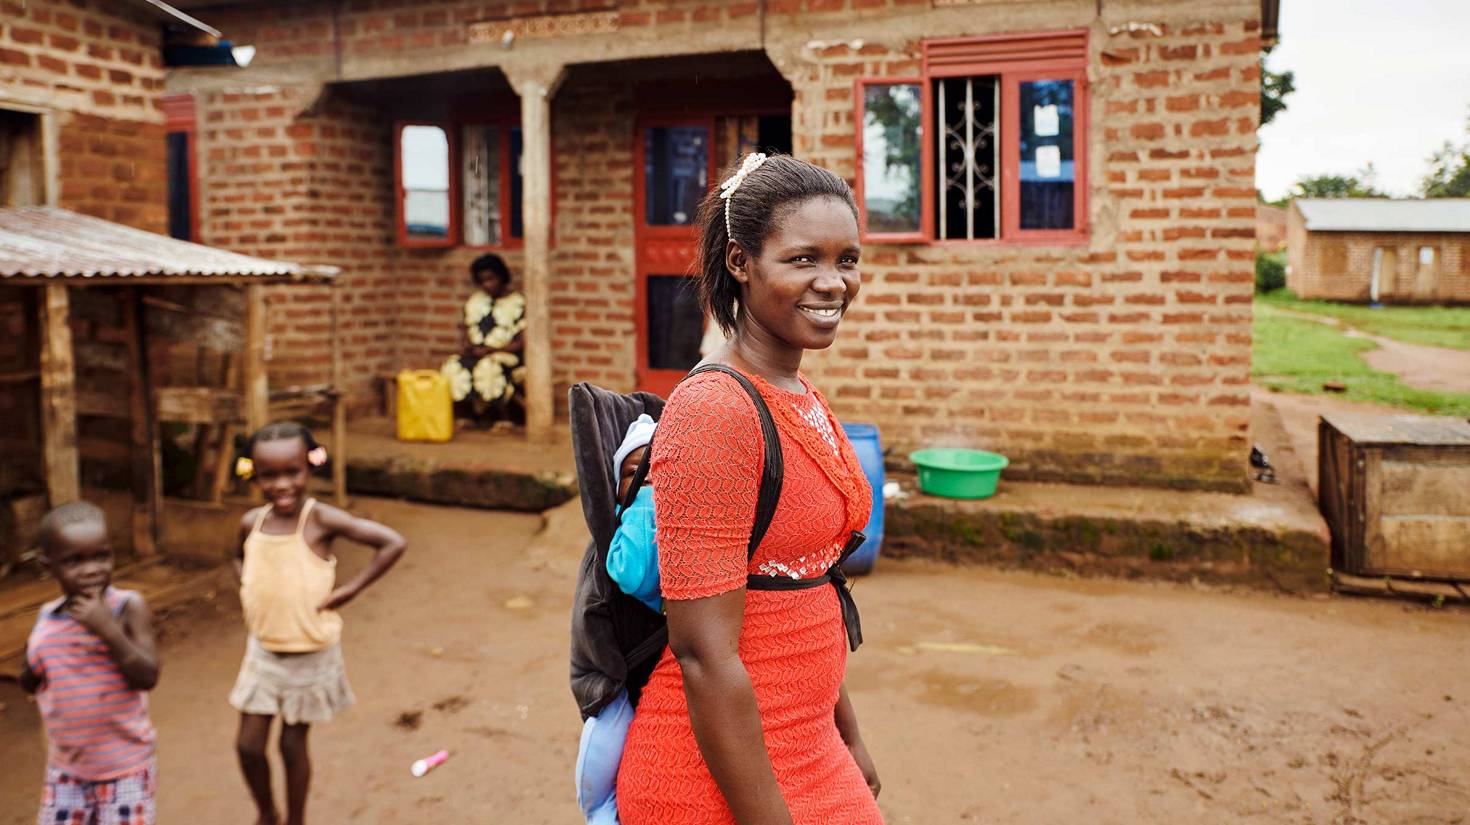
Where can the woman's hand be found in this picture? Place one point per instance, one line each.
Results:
(865, 764)
(847, 726)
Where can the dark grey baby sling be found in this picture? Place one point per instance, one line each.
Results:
(616, 639)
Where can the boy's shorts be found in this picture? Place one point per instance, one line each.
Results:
(127, 800)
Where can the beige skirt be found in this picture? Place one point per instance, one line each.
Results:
(301, 688)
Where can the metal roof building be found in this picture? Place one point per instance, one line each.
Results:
(1380, 250)
(38, 243)
(97, 314)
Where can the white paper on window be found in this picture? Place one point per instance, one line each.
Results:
(1046, 122)
(1048, 161)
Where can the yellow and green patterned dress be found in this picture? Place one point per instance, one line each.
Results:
(493, 380)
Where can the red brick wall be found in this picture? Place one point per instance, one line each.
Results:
(1124, 359)
(592, 269)
(95, 64)
(312, 187)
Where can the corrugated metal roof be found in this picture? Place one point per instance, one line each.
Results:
(1383, 215)
(46, 242)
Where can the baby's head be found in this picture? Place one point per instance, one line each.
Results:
(75, 548)
(630, 453)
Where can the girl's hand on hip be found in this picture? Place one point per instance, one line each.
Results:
(338, 597)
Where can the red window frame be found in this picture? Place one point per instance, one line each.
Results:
(180, 115)
(926, 179)
(452, 132)
(503, 126)
(1010, 147)
(1013, 59)
(452, 232)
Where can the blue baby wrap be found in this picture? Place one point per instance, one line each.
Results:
(598, 757)
(632, 558)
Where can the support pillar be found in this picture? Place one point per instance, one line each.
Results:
(147, 490)
(536, 86)
(58, 397)
(257, 385)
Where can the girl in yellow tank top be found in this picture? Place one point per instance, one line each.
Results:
(293, 665)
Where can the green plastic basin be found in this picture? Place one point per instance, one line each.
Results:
(958, 473)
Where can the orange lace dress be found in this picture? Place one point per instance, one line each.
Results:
(706, 469)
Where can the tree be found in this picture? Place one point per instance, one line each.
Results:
(1449, 171)
(1359, 185)
(1275, 86)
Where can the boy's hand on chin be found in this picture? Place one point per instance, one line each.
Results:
(90, 609)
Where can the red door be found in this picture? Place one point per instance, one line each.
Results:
(675, 167)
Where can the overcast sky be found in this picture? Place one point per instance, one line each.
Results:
(1385, 81)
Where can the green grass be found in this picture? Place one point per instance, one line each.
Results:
(1296, 355)
(1432, 326)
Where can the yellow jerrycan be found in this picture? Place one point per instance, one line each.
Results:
(425, 408)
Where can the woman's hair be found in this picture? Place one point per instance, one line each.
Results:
(280, 431)
(489, 262)
(756, 205)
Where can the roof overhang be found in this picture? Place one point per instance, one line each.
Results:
(44, 245)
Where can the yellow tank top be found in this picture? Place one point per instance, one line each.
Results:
(281, 585)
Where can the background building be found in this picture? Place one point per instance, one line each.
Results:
(1388, 251)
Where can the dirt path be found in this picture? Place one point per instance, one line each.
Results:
(1428, 368)
(985, 696)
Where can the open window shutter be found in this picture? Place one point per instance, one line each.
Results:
(992, 54)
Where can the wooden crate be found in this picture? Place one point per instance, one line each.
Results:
(1395, 489)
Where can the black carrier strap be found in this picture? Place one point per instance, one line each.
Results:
(773, 465)
(835, 576)
(772, 475)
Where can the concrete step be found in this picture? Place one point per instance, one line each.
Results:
(496, 470)
(1274, 538)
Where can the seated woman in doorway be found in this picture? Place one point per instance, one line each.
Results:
(745, 718)
(487, 378)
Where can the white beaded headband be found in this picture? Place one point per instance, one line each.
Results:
(751, 163)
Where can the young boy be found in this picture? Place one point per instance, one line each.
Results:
(90, 661)
(632, 558)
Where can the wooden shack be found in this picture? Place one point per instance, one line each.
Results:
(130, 363)
(1395, 490)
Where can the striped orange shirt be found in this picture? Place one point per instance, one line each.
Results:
(98, 726)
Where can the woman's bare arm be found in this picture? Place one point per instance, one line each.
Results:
(704, 636)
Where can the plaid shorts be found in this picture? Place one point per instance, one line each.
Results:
(127, 800)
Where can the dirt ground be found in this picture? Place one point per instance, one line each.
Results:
(1432, 368)
(985, 697)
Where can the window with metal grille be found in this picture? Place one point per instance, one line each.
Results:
(967, 151)
(989, 144)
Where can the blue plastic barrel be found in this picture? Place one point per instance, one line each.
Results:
(864, 438)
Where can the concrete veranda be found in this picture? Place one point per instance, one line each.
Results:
(985, 696)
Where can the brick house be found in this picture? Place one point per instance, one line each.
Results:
(1388, 251)
(1058, 197)
(81, 127)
